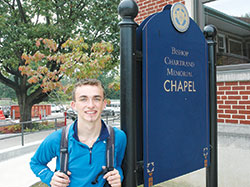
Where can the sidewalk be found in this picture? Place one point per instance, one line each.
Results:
(233, 162)
(15, 170)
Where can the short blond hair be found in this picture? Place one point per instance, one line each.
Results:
(91, 82)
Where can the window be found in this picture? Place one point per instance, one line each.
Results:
(248, 50)
(221, 43)
(235, 47)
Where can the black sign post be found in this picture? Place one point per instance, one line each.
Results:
(212, 171)
(128, 10)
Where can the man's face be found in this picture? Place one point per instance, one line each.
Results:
(89, 102)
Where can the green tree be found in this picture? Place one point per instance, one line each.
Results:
(50, 25)
(111, 82)
(247, 15)
(7, 92)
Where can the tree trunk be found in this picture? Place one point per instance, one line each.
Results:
(24, 108)
(25, 114)
(26, 101)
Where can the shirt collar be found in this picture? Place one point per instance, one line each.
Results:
(104, 134)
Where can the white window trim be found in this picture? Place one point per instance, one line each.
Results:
(236, 41)
(224, 42)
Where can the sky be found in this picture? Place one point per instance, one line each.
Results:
(231, 7)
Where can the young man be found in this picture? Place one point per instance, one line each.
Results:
(86, 144)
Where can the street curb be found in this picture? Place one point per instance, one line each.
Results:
(16, 151)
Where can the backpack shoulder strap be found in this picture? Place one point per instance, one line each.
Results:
(110, 149)
(64, 150)
(110, 152)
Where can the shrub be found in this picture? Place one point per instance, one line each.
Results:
(11, 129)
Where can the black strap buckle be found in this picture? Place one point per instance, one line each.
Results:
(103, 172)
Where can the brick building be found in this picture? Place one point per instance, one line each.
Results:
(233, 94)
(233, 55)
(148, 7)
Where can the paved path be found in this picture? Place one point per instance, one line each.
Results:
(233, 160)
(17, 140)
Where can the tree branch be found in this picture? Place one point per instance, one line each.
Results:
(37, 96)
(57, 11)
(8, 82)
(11, 6)
(38, 14)
(40, 98)
(13, 72)
(96, 35)
(20, 8)
(47, 20)
(79, 9)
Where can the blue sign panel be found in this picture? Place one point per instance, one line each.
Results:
(175, 97)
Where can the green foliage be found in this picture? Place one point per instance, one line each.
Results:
(75, 63)
(7, 92)
(23, 23)
(11, 129)
(45, 125)
(59, 97)
(108, 80)
(40, 126)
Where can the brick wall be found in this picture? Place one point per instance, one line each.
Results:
(148, 7)
(233, 102)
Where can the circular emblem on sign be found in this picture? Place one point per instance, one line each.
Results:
(180, 17)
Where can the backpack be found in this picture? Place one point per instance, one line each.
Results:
(110, 150)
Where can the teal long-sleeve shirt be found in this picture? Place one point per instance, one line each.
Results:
(84, 162)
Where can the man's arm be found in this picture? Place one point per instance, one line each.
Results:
(120, 147)
(48, 149)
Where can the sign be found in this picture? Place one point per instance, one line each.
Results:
(175, 96)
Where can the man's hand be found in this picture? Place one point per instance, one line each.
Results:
(60, 179)
(113, 177)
